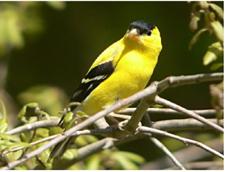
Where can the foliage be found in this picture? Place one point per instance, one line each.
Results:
(41, 100)
(212, 16)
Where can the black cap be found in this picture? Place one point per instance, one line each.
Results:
(142, 27)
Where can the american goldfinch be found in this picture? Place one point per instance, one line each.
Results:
(121, 70)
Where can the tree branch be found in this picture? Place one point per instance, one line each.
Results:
(183, 124)
(168, 125)
(136, 116)
(39, 124)
(149, 131)
(151, 90)
(92, 148)
(185, 155)
(167, 111)
(176, 107)
(30, 144)
(167, 152)
(161, 86)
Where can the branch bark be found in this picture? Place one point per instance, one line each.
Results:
(188, 124)
(39, 124)
(149, 131)
(98, 146)
(167, 152)
(207, 113)
(185, 155)
(176, 107)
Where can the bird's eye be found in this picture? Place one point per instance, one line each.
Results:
(149, 33)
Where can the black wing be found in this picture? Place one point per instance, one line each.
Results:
(92, 79)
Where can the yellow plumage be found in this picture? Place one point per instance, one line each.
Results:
(134, 64)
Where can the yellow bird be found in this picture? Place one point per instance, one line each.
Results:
(121, 70)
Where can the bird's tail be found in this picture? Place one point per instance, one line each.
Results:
(60, 148)
(67, 121)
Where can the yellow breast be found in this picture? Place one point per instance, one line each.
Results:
(131, 75)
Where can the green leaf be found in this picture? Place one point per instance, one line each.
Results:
(90, 138)
(67, 119)
(42, 132)
(12, 138)
(12, 156)
(43, 157)
(93, 163)
(27, 111)
(70, 154)
(55, 130)
(124, 162)
(216, 66)
(84, 140)
(209, 57)
(17, 146)
(81, 141)
(217, 10)
(214, 51)
(11, 147)
(132, 156)
(195, 18)
(217, 30)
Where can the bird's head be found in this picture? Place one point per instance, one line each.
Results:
(144, 35)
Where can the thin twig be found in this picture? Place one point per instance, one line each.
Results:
(95, 147)
(78, 133)
(39, 124)
(86, 151)
(174, 81)
(148, 131)
(167, 111)
(148, 122)
(30, 144)
(182, 124)
(120, 116)
(187, 154)
(174, 106)
(167, 152)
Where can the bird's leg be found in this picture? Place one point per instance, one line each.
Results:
(122, 124)
(111, 120)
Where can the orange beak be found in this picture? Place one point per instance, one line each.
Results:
(133, 35)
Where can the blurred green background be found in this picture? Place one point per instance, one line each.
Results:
(55, 43)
